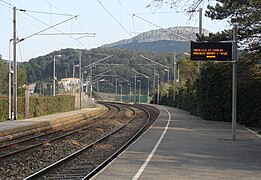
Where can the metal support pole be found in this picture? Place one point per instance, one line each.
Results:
(135, 87)
(10, 84)
(54, 77)
(130, 91)
(139, 82)
(154, 84)
(86, 86)
(91, 82)
(116, 86)
(15, 65)
(174, 77)
(73, 69)
(167, 81)
(148, 94)
(158, 98)
(200, 22)
(121, 92)
(98, 86)
(200, 34)
(27, 101)
(234, 84)
(80, 72)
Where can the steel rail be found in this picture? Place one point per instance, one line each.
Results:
(47, 141)
(37, 135)
(113, 156)
(59, 163)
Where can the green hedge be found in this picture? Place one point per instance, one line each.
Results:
(210, 97)
(3, 108)
(39, 106)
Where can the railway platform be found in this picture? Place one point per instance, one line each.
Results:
(182, 146)
(16, 128)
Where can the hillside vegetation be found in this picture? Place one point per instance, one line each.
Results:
(208, 96)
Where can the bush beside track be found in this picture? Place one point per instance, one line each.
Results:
(39, 106)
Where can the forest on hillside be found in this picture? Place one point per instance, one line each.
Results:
(123, 64)
(207, 95)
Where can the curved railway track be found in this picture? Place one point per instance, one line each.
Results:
(77, 165)
(19, 139)
(27, 143)
(84, 149)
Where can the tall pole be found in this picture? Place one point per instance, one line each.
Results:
(10, 84)
(158, 98)
(174, 77)
(121, 91)
(54, 77)
(200, 22)
(91, 82)
(86, 87)
(80, 72)
(166, 70)
(139, 82)
(98, 86)
(234, 83)
(148, 93)
(15, 65)
(116, 86)
(156, 74)
(154, 84)
(135, 87)
(73, 69)
(200, 34)
(130, 91)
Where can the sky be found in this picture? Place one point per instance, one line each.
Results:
(110, 20)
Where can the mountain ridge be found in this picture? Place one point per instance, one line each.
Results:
(178, 34)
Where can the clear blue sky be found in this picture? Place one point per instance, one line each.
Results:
(93, 18)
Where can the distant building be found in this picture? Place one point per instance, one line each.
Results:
(70, 84)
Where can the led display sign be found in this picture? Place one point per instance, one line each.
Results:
(209, 51)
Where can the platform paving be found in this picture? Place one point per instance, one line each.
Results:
(191, 148)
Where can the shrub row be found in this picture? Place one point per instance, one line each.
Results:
(39, 106)
(210, 97)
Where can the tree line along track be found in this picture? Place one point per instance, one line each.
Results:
(27, 162)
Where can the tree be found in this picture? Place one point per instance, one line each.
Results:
(21, 76)
(244, 13)
(187, 5)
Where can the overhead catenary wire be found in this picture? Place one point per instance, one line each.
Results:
(114, 18)
(50, 27)
(24, 12)
(33, 24)
(166, 12)
(20, 52)
(183, 37)
(124, 7)
(9, 4)
(59, 9)
(4, 5)
(49, 13)
(70, 33)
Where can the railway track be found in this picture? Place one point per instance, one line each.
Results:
(94, 146)
(23, 144)
(77, 165)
